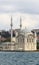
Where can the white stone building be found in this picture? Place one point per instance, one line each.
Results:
(26, 41)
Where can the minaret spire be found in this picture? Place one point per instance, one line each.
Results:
(11, 30)
(11, 22)
(20, 23)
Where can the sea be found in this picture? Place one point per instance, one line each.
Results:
(19, 58)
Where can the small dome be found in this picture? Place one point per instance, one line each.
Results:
(25, 30)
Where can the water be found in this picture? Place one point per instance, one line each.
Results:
(19, 58)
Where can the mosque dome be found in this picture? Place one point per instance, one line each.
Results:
(25, 30)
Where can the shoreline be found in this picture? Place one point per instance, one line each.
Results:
(19, 51)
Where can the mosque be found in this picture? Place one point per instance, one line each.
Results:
(23, 40)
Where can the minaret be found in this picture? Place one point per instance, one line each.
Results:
(20, 23)
(11, 30)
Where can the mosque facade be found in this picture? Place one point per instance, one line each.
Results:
(26, 41)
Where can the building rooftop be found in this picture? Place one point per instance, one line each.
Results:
(35, 30)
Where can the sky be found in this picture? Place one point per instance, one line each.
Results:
(28, 10)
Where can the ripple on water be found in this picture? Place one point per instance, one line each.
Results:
(19, 58)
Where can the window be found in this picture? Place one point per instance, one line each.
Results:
(18, 40)
(27, 40)
(23, 40)
(32, 40)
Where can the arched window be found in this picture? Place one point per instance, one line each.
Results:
(32, 40)
(27, 39)
(23, 40)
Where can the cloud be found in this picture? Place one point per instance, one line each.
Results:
(7, 8)
(30, 21)
(27, 9)
(22, 6)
